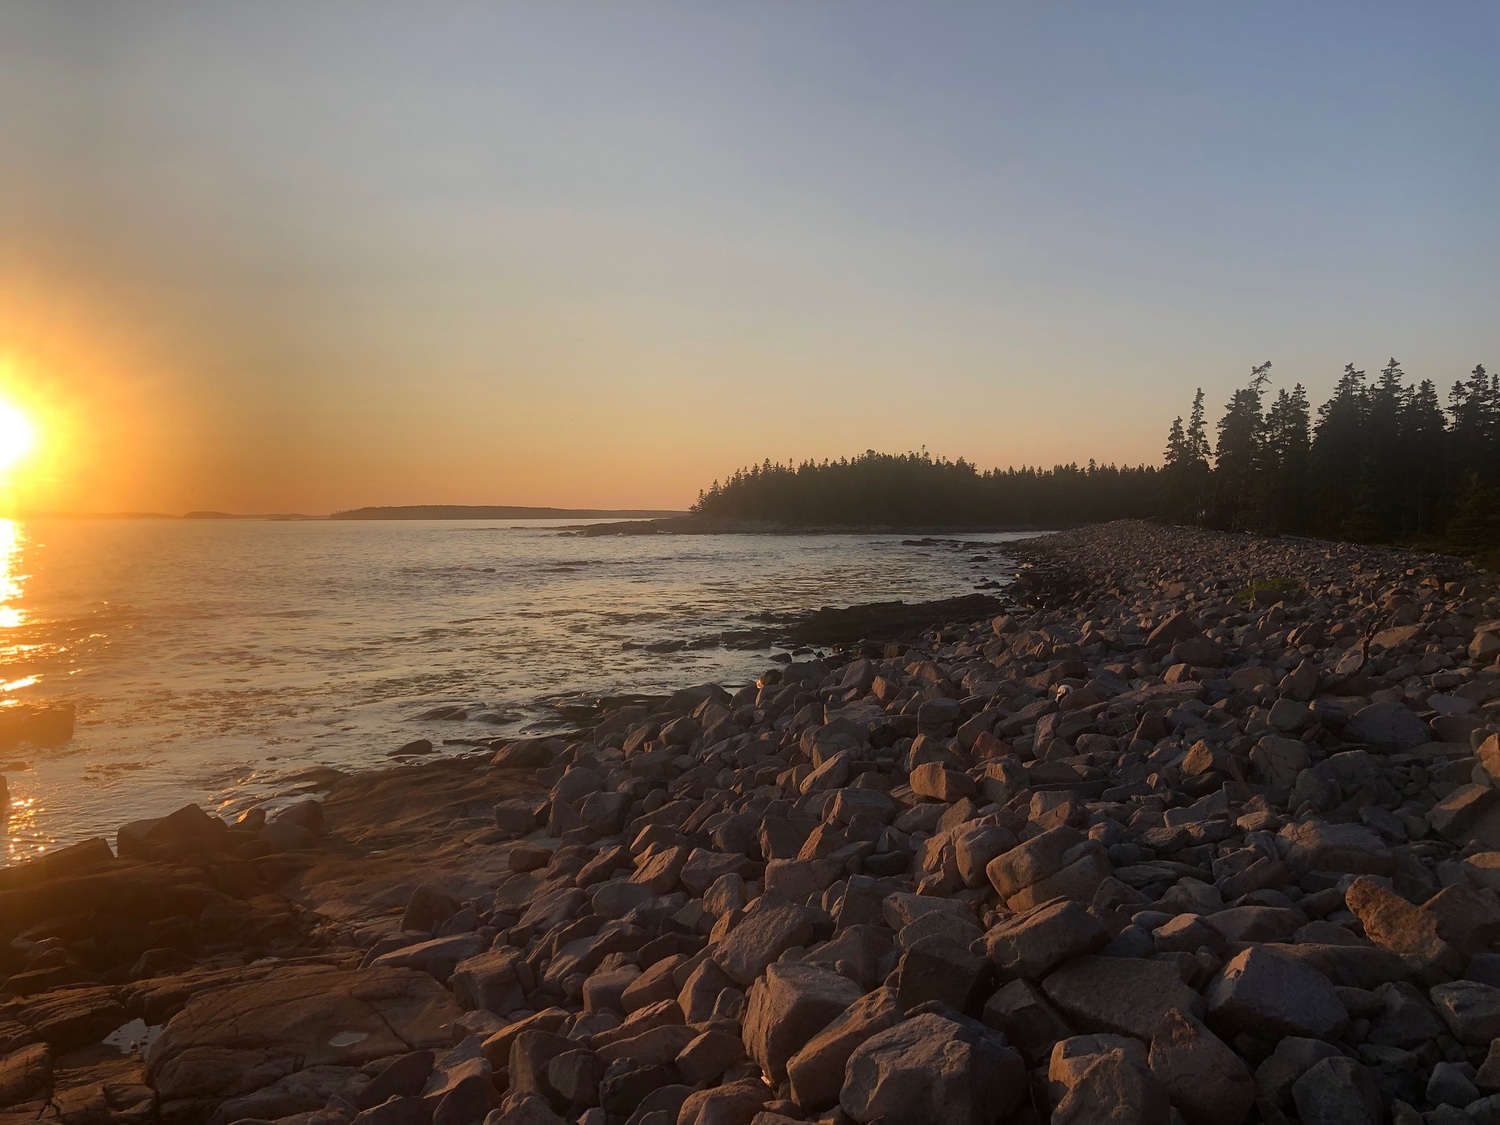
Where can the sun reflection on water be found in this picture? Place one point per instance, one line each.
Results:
(20, 830)
(12, 581)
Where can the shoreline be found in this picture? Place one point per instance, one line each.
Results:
(1195, 793)
(698, 525)
(461, 692)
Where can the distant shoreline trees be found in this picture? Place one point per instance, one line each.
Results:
(1381, 461)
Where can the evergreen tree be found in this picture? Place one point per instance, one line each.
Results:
(1476, 524)
(1338, 449)
(1424, 447)
(1239, 492)
(1382, 462)
(1185, 470)
(1288, 455)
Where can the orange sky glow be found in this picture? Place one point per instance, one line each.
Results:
(598, 256)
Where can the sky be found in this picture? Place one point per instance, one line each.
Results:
(291, 256)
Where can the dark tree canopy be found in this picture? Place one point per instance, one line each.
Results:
(918, 490)
(1382, 460)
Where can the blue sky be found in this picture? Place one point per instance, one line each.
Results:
(309, 256)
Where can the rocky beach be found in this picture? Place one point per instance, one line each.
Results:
(1201, 828)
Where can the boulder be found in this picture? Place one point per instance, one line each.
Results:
(1470, 1009)
(706, 1058)
(816, 1071)
(788, 1006)
(1406, 930)
(1033, 943)
(1121, 995)
(1029, 1022)
(25, 1073)
(436, 957)
(1207, 1082)
(975, 846)
(737, 1103)
(929, 1069)
(945, 972)
(489, 980)
(938, 783)
(1113, 1091)
(1317, 845)
(769, 928)
(1389, 726)
(1263, 994)
(1339, 1091)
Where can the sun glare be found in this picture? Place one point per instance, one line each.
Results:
(16, 436)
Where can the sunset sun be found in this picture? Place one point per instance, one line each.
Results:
(16, 436)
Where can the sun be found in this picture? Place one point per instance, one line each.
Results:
(16, 435)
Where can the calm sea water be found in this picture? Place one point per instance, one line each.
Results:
(212, 660)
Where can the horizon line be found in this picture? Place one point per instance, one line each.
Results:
(376, 512)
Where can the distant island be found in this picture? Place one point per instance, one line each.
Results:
(495, 512)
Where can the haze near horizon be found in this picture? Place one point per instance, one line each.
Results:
(306, 258)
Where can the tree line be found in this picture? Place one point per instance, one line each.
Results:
(919, 490)
(1383, 460)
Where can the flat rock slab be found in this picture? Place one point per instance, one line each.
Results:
(385, 833)
(1119, 994)
(228, 1043)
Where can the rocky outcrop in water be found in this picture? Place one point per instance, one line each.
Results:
(1208, 834)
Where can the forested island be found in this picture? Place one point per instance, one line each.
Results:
(495, 512)
(1383, 460)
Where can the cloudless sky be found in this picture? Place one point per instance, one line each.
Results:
(304, 256)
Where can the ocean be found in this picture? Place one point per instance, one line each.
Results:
(216, 660)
